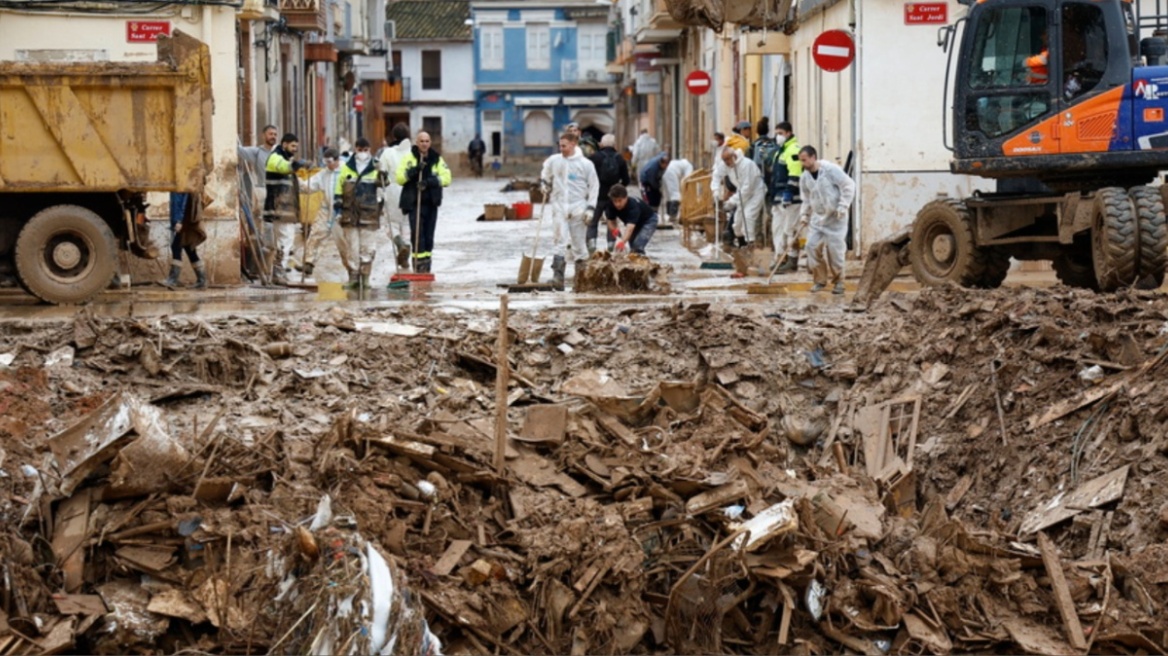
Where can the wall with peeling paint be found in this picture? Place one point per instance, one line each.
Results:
(104, 37)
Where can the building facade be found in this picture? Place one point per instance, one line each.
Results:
(432, 85)
(537, 67)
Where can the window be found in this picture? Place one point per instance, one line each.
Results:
(431, 69)
(591, 47)
(538, 130)
(491, 47)
(432, 125)
(1084, 48)
(1009, 71)
(539, 55)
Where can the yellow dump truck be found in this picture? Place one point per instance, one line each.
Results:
(80, 146)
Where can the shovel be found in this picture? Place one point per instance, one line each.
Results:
(530, 267)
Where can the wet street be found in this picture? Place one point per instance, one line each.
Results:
(472, 260)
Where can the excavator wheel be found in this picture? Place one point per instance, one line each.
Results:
(66, 254)
(943, 249)
(1115, 239)
(1149, 206)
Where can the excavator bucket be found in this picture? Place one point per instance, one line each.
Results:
(885, 260)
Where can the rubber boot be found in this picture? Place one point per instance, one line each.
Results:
(579, 273)
(309, 267)
(591, 247)
(175, 269)
(790, 265)
(200, 275)
(403, 252)
(558, 266)
(354, 280)
(423, 265)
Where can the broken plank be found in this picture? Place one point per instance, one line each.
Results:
(78, 604)
(1092, 494)
(449, 560)
(717, 497)
(69, 535)
(1062, 594)
(618, 430)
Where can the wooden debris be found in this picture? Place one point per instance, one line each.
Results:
(1062, 596)
(449, 560)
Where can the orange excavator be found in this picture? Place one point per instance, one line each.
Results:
(1063, 104)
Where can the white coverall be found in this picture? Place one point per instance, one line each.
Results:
(575, 188)
(677, 171)
(826, 195)
(644, 149)
(394, 217)
(323, 224)
(750, 197)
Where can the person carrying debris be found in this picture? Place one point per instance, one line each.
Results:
(785, 171)
(611, 169)
(357, 202)
(282, 204)
(749, 195)
(827, 194)
(324, 223)
(395, 219)
(671, 180)
(185, 235)
(639, 221)
(650, 178)
(422, 173)
(570, 184)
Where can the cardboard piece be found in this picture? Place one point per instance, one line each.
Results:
(544, 423)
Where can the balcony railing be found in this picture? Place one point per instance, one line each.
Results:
(396, 92)
(304, 15)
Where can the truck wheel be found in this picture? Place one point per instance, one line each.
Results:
(1153, 233)
(1074, 268)
(943, 249)
(66, 254)
(1115, 241)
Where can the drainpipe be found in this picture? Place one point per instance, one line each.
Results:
(856, 21)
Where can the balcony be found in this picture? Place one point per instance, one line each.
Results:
(304, 15)
(396, 92)
(265, 10)
(657, 24)
(320, 52)
(588, 72)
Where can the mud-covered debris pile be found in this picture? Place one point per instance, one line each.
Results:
(950, 472)
(608, 273)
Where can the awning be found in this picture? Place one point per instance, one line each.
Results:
(601, 119)
(529, 101)
(586, 100)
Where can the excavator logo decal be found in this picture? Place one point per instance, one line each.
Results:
(1146, 90)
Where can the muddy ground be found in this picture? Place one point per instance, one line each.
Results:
(951, 472)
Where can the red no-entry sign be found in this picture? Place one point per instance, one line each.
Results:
(833, 50)
(698, 83)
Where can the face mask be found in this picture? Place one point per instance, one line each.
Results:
(363, 157)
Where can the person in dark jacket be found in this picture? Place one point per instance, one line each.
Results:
(639, 221)
(422, 174)
(611, 169)
(650, 180)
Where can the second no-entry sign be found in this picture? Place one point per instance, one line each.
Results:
(833, 50)
(698, 83)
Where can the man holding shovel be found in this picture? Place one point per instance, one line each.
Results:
(574, 187)
(422, 173)
(827, 194)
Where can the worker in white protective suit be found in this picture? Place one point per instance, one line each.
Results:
(827, 194)
(572, 187)
(643, 149)
(671, 181)
(749, 195)
(395, 218)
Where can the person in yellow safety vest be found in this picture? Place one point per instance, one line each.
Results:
(422, 173)
(356, 200)
(282, 204)
(785, 201)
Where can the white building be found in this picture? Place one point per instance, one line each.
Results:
(433, 62)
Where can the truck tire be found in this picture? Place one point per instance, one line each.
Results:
(943, 249)
(1153, 230)
(1115, 240)
(66, 254)
(1074, 268)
